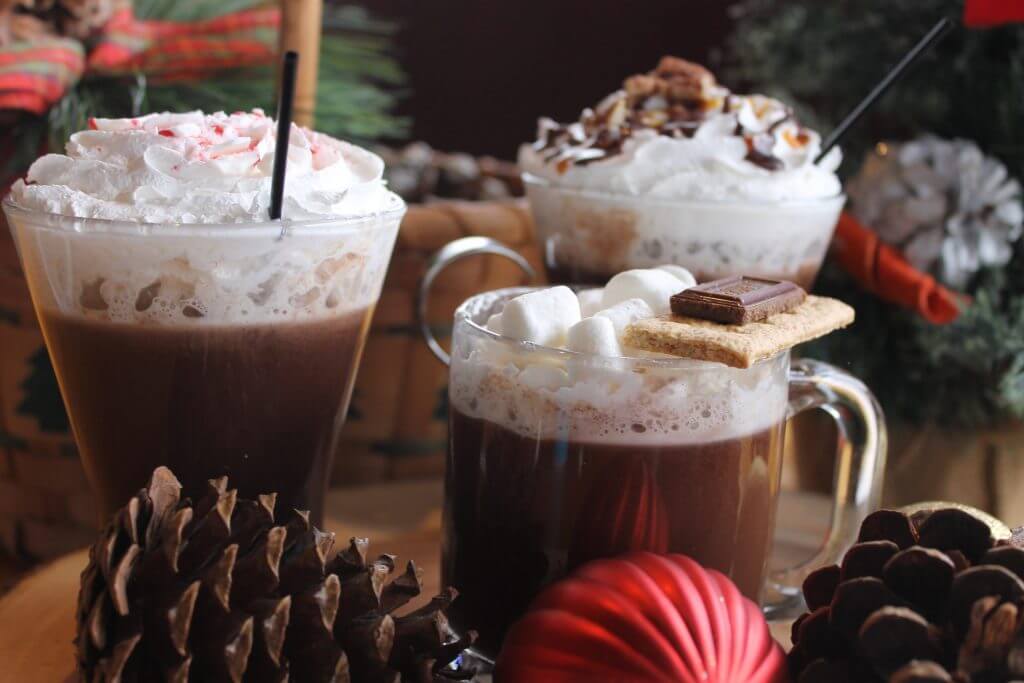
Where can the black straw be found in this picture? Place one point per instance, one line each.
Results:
(930, 40)
(285, 107)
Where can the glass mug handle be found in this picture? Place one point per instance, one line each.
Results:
(859, 467)
(456, 250)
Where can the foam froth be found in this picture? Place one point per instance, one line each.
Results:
(641, 399)
(236, 275)
(163, 219)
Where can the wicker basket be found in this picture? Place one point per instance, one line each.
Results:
(397, 422)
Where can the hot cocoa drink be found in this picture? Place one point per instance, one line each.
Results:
(186, 328)
(260, 403)
(572, 447)
(676, 168)
(521, 511)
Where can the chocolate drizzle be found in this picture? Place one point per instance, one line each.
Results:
(674, 100)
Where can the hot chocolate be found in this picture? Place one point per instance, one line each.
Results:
(522, 512)
(559, 456)
(676, 168)
(262, 404)
(188, 330)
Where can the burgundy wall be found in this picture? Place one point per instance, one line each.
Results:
(482, 71)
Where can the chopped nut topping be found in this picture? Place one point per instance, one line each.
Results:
(672, 100)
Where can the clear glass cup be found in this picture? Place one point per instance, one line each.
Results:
(587, 237)
(212, 349)
(557, 457)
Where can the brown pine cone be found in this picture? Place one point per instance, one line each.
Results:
(921, 599)
(224, 591)
(83, 18)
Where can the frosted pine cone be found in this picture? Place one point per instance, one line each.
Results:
(951, 209)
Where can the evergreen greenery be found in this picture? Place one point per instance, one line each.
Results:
(824, 57)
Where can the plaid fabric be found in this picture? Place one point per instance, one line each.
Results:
(979, 13)
(33, 76)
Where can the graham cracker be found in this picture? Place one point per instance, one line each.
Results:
(739, 346)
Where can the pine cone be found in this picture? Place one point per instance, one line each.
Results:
(223, 591)
(928, 597)
(83, 18)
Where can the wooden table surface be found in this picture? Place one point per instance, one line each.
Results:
(37, 616)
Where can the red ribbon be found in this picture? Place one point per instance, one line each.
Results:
(882, 270)
(987, 13)
(33, 76)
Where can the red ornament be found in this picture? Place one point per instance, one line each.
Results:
(982, 13)
(630, 514)
(642, 617)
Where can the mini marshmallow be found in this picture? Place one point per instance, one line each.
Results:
(655, 287)
(494, 324)
(596, 336)
(625, 313)
(590, 301)
(682, 274)
(542, 317)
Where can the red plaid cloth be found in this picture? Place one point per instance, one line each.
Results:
(33, 76)
(981, 13)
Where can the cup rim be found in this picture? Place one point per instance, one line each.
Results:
(536, 181)
(464, 314)
(334, 225)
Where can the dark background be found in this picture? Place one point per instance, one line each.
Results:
(482, 71)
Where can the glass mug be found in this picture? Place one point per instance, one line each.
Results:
(212, 349)
(587, 237)
(557, 457)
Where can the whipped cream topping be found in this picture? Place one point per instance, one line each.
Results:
(675, 133)
(605, 391)
(198, 168)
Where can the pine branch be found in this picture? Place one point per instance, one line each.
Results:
(824, 57)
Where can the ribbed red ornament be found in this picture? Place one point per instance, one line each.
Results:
(642, 617)
(629, 514)
(982, 13)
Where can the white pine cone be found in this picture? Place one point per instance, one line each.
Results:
(951, 209)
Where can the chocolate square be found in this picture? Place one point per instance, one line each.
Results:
(738, 300)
